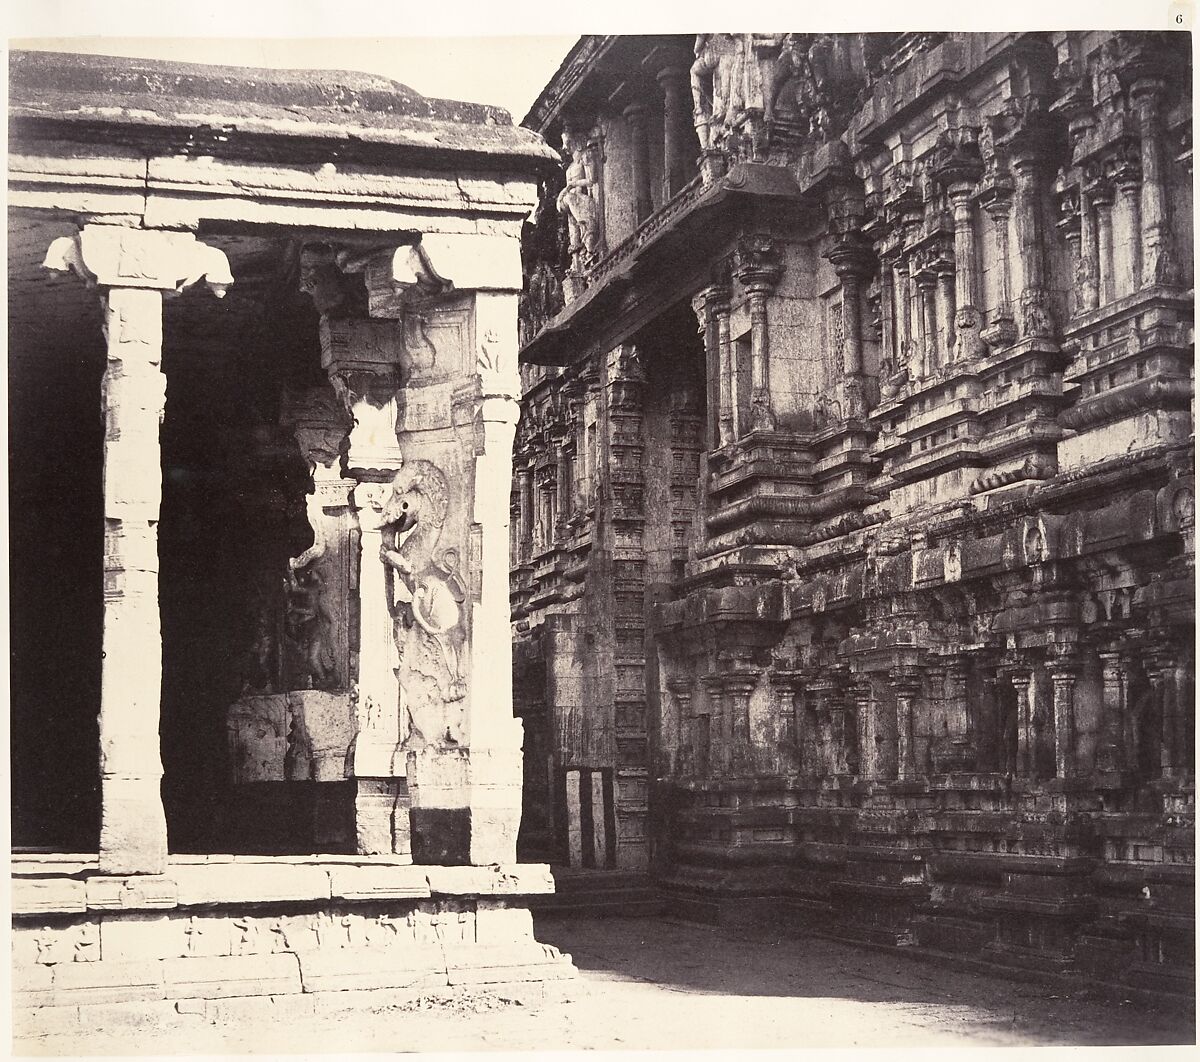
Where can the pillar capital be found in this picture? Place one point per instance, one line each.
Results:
(113, 256)
(758, 262)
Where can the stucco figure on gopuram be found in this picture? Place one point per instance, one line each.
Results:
(854, 500)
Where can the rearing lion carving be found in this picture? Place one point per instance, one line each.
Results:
(426, 594)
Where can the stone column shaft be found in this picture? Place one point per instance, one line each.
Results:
(906, 686)
(1102, 201)
(1130, 193)
(563, 483)
(1026, 741)
(904, 316)
(133, 828)
(1158, 252)
(966, 261)
(495, 734)
(677, 126)
(1062, 675)
(525, 481)
(1089, 254)
(729, 419)
(134, 267)
(946, 310)
(639, 161)
(927, 285)
(1110, 753)
(762, 416)
(998, 209)
(1027, 212)
(887, 313)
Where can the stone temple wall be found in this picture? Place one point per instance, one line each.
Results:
(858, 466)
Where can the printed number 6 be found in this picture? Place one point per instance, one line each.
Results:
(1178, 20)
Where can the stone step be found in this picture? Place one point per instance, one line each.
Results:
(595, 893)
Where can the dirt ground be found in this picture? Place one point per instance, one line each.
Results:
(653, 983)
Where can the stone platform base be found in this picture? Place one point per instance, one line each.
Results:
(959, 916)
(220, 932)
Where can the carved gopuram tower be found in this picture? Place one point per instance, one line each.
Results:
(854, 514)
(263, 374)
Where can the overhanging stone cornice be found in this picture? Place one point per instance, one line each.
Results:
(640, 278)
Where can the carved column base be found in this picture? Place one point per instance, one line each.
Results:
(713, 165)
(1001, 333)
(761, 417)
(495, 803)
(133, 827)
(381, 816)
(573, 286)
(854, 401)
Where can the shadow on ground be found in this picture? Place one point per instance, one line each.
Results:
(694, 959)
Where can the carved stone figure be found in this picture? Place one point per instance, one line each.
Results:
(578, 204)
(718, 86)
(426, 594)
(310, 622)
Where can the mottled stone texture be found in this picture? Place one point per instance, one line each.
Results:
(888, 547)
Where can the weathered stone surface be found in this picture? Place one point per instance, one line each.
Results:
(35, 896)
(414, 966)
(136, 892)
(249, 882)
(807, 583)
(108, 982)
(511, 879)
(231, 975)
(367, 882)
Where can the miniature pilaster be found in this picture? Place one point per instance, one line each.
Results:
(1063, 671)
(639, 161)
(1102, 202)
(1001, 329)
(677, 125)
(757, 267)
(1158, 253)
(133, 268)
(906, 684)
(1021, 680)
(968, 318)
(1110, 751)
(1128, 180)
(1036, 320)
(927, 296)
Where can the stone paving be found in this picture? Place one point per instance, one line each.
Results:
(653, 983)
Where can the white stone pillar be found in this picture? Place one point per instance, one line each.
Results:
(133, 268)
(495, 738)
